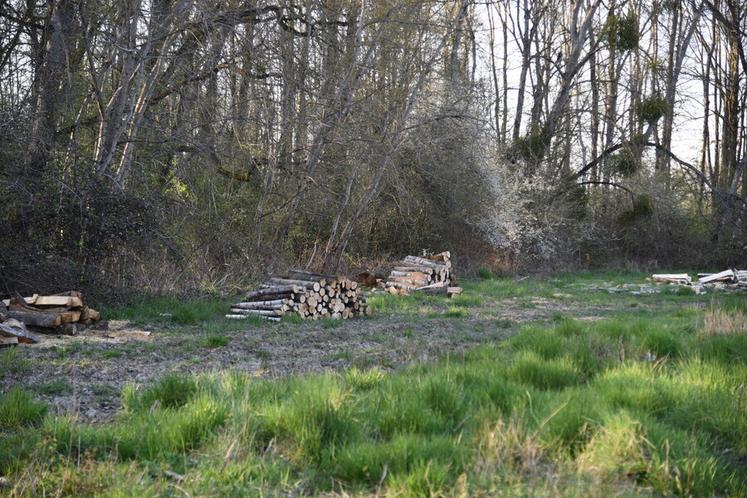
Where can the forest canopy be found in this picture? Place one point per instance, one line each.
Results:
(174, 145)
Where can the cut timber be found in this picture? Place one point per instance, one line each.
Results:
(239, 311)
(244, 317)
(672, 278)
(37, 300)
(45, 320)
(89, 315)
(439, 288)
(442, 256)
(425, 262)
(8, 341)
(453, 291)
(724, 276)
(13, 328)
(416, 274)
(301, 283)
(304, 293)
(273, 291)
(248, 305)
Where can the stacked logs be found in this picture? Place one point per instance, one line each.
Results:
(309, 295)
(62, 313)
(426, 274)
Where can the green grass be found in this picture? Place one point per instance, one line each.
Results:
(18, 409)
(642, 402)
(12, 363)
(171, 310)
(54, 387)
(215, 341)
(628, 405)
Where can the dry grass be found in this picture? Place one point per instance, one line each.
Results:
(720, 321)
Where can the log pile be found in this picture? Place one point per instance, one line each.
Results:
(432, 274)
(58, 314)
(730, 279)
(730, 276)
(309, 295)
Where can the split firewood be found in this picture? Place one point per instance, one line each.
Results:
(56, 314)
(724, 276)
(8, 341)
(16, 329)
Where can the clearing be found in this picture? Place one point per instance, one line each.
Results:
(572, 384)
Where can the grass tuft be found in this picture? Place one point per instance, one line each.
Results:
(721, 321)
(171, 391)
(215, 341)
(11, 363)
(18, 409)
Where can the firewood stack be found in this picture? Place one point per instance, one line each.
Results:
(57, 314)
(309, 295)
(432, 274)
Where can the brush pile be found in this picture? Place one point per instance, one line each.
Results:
(309, 295)
(432, 274)
(55, 314)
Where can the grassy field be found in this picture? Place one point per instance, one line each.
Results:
(573, 389)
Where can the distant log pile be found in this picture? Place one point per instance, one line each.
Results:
(731, 276)
(61, 313)
(432, 274)
(730, 279)
(309, 295)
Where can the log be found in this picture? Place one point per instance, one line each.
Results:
(672, 278)
(724, 276)
(36, 319)
(411, 274)
(300, 283)
(13, 328)
(273, 291)
(426, 262)
(399, 285)
(64, 301)
(89, 315)
(453, 291)
(438, 288)
(8, 341)
(70, 316)
(248, 305)
(414, 268)
(442, 256)
(244, 317)
(239, 311)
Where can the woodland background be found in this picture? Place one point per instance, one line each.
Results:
(191, 145)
